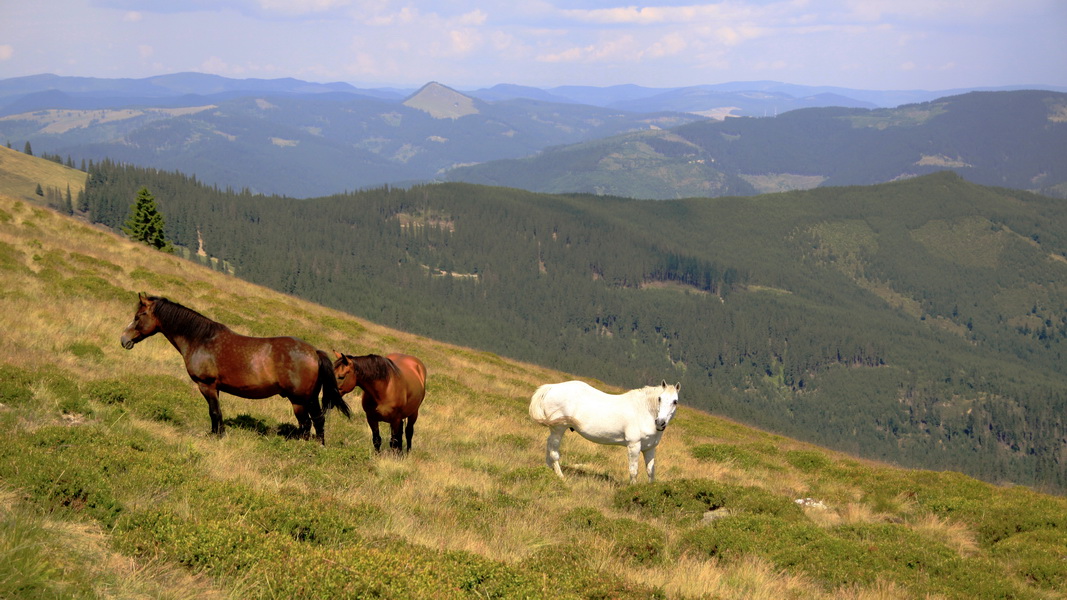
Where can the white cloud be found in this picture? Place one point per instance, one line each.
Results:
(401, 17)
(669, 45)
(301, 7)
(663, 14)
(464, 41)
(6, 51)
(218, 66)
(471, 19)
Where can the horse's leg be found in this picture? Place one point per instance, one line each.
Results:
(633, 449)
(396, 435)
(212, 396)
(410, 428)
(650, 463)
(303, 420)
(318, 418)
(309, 413)
(555, 436)
(376, 437)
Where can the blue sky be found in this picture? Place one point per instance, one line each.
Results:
(467, 44)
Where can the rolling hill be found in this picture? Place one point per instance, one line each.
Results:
(1012, 139)
(112, 486)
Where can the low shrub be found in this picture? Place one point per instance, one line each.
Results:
(157, 281)
(93, 286)
(15, 385)
(732, 453)
(854, 555)
(108, 391)
(807, 460)
(11, 259)
(994, 517)
(1037, 556)
(67, 469)
(634, 541)
(156, 397)
(32, 566)
(689, 499)
(568, 572)
(86, 351)
(97, 263)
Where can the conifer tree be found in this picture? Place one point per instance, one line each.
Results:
(145, 223)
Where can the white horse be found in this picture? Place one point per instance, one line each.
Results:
(635, 419)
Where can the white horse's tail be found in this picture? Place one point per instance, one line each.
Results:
(538, 413)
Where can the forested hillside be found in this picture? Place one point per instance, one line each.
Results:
(1012, 139)
(921, 322)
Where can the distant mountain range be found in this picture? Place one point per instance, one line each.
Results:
(304, 139)
(1009, 139)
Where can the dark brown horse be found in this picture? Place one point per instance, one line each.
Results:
(219, 360)
(393, 388)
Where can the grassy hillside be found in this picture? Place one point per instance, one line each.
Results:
(111, 486)
(21, 174)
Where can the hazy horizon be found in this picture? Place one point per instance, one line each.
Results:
(858, 44)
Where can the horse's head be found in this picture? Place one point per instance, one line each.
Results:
(344, 369)
(144, 324)
(668, 403)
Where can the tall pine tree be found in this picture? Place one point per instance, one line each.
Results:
(145, 223)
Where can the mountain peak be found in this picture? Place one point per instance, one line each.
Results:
(442, 102)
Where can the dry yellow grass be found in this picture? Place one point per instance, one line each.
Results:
(20, 174)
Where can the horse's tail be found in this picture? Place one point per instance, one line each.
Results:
(537, 409)
(331, 396)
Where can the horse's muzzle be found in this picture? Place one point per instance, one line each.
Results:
(127, 343)
(660, 424)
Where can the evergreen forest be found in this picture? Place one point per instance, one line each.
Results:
(921, 322)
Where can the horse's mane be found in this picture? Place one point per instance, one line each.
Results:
(185, 321)
(373, 367)
(651, 395)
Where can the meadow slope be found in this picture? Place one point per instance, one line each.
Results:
(111, 485)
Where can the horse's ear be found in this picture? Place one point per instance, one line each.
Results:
(678, 386)
(664, 384)
(142, 298)
(337, 353)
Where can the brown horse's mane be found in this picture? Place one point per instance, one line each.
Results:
(373, 367)
(185, 321)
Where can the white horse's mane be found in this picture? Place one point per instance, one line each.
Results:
(651, 395)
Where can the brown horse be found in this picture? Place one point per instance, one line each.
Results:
(219, 360)
(393, 388)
